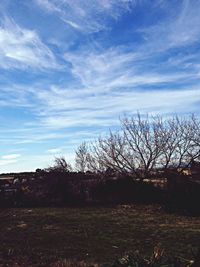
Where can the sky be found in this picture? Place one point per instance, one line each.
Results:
(70, 68)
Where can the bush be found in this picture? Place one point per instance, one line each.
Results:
(126, 190)
(183, 195)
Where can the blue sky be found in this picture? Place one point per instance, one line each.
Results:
(70, 68)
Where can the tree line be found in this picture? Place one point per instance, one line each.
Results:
(143, 145)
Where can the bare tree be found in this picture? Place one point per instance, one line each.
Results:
(134, 149)
(88, 158)
(111, 152)
(182, 142)
(60, 165)
(95, 161)
(81, 159)
(194, 151)
(155, 142)
(144, 145)
(144, 141)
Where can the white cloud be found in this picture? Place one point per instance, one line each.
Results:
(72, 24)
(11, 156)
(22, 48)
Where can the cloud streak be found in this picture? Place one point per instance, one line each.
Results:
(179, 29)
(9, 159)
(11, 156)
(21, 48)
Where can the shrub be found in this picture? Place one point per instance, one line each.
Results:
(126, 190)
(183, 195)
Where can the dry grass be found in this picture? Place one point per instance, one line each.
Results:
(70, 263)
(43, 236)
(60, 263)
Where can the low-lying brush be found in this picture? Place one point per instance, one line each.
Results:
(157, 259)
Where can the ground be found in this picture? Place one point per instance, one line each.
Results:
(44, 235)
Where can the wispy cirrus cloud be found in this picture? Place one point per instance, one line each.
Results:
(101, 111)
(109, 88)
(122, 70)
(87, 16)
(180, 28)
(21, 48)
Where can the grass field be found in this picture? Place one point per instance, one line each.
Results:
(44, 235)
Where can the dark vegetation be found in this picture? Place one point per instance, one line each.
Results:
(56, 189)
(175, 191)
